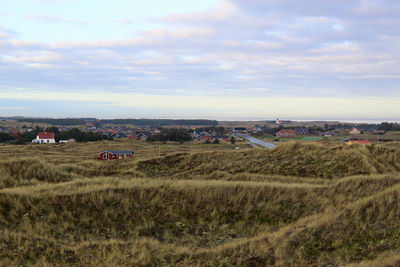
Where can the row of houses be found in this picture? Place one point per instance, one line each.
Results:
(294, 132)
(116, 134)
(209, 136)
(305, 131)
(213, 138)
(48, 138)
(357, 131)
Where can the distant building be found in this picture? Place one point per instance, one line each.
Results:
(257, 128)
(204, 133)
(141, 136)
(63, 129)
(286, 133)
(361, 142)
(115, 154)
(354, 131)
(301, 131)
(71, 140)
(205, 138)
(240, 130)
(222, 138)
(327, 134)
(278, 121)
(44, 138)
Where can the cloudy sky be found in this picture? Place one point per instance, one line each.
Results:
(224, 59)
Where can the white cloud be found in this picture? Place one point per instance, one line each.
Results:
(46, 18)
(34, 57)
(124, 21)
(180, 33)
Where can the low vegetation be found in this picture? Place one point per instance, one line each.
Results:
(170, 134)
(200, 205)
(74, 133)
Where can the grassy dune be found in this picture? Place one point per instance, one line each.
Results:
(296, 205)
(293, 159)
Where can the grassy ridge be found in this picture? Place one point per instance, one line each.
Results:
(30, 171)
(293, 159)
(196, 214)
(206, 214)
(296, 205)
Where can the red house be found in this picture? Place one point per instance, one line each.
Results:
(115, 154)
(206, 137)
(222, 138)
(286, 133)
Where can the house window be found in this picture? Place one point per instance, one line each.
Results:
(48, 141)
(105, 156)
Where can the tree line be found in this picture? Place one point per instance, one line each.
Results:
(75, 133)
(170, 134)
(138, 122)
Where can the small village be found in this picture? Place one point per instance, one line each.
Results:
(272, 132)
(200, 133)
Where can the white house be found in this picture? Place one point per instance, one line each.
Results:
(354, 131)
(44, 138)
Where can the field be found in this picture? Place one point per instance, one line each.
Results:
(300, 204)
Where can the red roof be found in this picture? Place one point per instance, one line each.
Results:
(287, 131)
(46, 135)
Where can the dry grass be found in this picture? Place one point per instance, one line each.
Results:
(200, 205)
(291, 159)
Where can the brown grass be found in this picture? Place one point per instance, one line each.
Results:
(291, 159)
(296, 205)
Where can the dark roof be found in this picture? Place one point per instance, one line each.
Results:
(118, 151)
(301, 131)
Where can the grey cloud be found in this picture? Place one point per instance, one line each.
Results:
(6, 33)
(289, 48)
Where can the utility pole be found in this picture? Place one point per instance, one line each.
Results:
(159, 151)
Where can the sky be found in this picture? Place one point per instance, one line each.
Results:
(218, 59)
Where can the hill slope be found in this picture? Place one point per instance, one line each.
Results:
(296, 205)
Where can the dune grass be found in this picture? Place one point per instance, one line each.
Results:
(297, 205)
